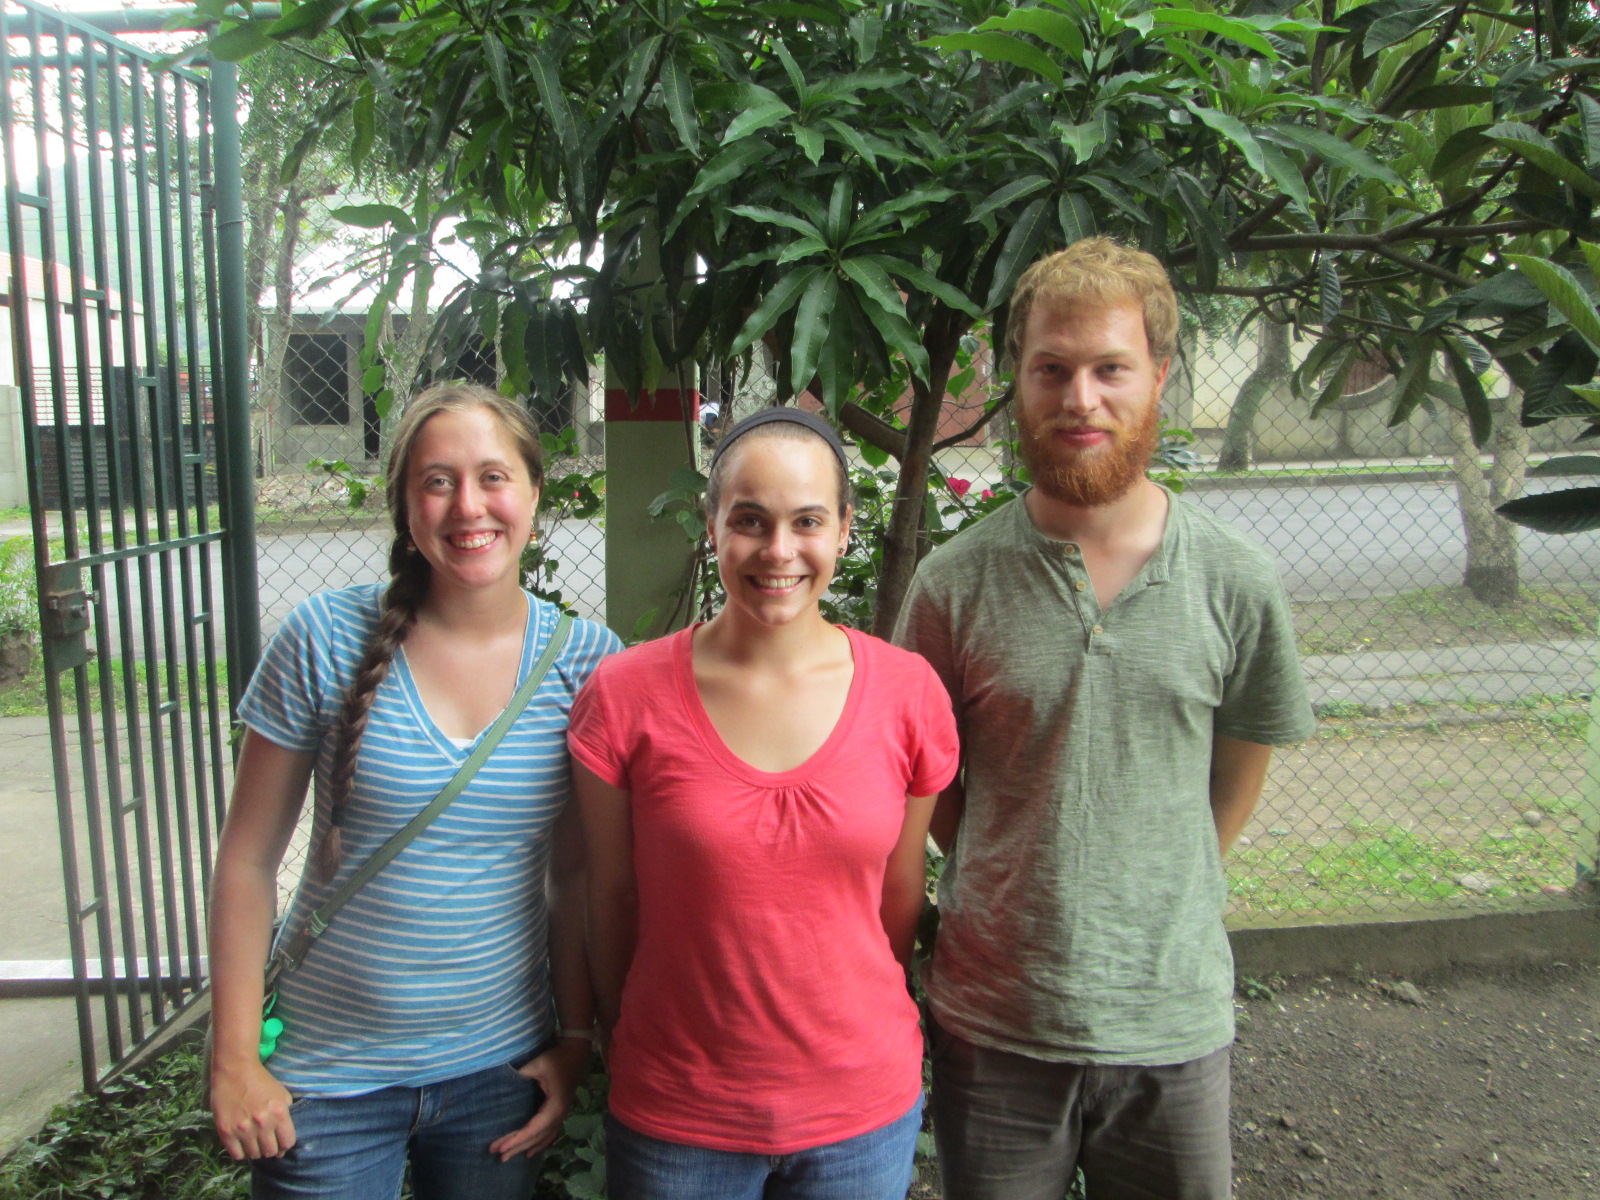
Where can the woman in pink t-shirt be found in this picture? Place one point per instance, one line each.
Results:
(755, 793)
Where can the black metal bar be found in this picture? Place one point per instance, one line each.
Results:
(241, 590)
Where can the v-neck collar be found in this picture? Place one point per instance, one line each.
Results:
(400, 670)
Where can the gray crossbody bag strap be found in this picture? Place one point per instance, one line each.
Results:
(288, 957)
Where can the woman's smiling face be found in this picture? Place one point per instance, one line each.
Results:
(777, 531)
(470, 500)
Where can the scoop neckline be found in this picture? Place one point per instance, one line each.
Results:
(719, 749)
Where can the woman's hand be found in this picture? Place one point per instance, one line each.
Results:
(557, 1072)
(251, 1110)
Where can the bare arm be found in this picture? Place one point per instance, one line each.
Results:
(558, 1070)
(905, 879)
(1238, 773)
(613, 916)
(947, 815)
(251, 1108)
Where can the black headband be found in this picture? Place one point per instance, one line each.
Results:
(792, 416)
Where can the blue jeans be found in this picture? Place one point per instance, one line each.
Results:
(357, 1147)
(871, 1166)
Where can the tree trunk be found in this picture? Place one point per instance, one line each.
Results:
(274, 394)
(1272, 369)
(1492, 573)
(903, 544)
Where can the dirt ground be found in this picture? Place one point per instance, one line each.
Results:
(1345, 1087)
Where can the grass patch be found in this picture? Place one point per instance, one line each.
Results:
(146, 1136)
(1442, 616)
(25, 697)
(1398, 866)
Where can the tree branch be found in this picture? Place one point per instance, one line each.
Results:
(872, 429)
(989, 414)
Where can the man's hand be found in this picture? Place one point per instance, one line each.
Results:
(251, 1110)
(557, 1072)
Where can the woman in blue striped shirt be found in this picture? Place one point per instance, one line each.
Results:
(442, 1019)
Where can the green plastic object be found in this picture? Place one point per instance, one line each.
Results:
(271, 1026)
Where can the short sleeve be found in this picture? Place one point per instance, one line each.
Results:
(592, 731)
(924, 629)
(938, 753)
(1264, 699)
(284, 702)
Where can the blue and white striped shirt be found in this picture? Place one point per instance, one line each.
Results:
(437, 967)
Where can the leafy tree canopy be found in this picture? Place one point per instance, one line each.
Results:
(667, 181)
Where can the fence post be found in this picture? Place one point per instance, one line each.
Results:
(236, 492)
(646, 559)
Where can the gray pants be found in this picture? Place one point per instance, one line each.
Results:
(1016, 1128)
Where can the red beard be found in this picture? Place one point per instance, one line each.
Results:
(1097, 475)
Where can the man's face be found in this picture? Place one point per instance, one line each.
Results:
(1087, 399)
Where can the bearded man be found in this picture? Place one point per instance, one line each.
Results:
(1121, 665)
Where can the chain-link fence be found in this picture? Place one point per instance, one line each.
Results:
(1450, 655)
(1448, 770)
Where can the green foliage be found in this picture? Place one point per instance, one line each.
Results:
(19, 594)
(855, 186)
(145, 1136)
(576, 494)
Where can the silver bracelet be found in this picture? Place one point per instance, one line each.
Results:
(591, 1034)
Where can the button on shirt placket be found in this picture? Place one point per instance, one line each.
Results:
(1094, 621)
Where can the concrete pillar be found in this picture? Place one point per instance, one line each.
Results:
(647, 560)
(13, 453)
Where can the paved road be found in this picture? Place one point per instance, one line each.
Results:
(1350, 541)
(1331, 543)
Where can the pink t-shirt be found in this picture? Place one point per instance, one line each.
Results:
(764, 1011)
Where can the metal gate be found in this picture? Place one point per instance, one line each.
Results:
(118, 336)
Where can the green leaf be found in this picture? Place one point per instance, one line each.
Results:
(875, 283)
(1283, 172)
(1329, 288)
(309, 20)
(499, 71)
(778, 301)
(1237, 31)
(240, 42)
(639, 65)
(1540, 152)
(1234, 130)
(836, 364)
(999, 47)
(1565, 293)
(811, 328)
(1460, 150)
(841, 208)
(1570, 510)
(1084, 139)
(1020, 249)
(772, 216)
(810, 141)
(1076, 217)
(374, 216)
(727, 166)
(1335, 150)
(1574, 464)
(1589, 109)
(767, 111)
(1412, 382)
(678, 94)
(1445, 95)
(1000, 197)
(1480, 417)
(928, 282)
(364, 126)
(1058, 29)
(547, 78)
(1397, 27)
(801, 248)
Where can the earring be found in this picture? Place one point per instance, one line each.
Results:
(411, 546)
(533, 535)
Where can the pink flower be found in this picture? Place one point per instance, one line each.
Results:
(986, 494)
(959, 486)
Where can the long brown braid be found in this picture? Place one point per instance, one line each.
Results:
(409, 577)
